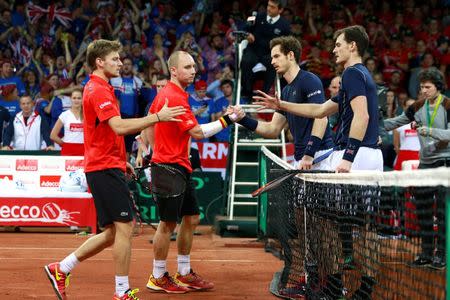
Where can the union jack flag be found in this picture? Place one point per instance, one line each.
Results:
(35, 12)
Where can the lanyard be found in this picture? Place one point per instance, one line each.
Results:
(431, 119)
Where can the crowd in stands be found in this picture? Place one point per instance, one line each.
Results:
(43, 46)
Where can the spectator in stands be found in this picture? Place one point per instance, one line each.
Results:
(220, 107)
(32, 87)
(429, 112)
(71, 120)
(42, 102)
(127, 88)
(201, 105)
(9, 99)
(7, 77)
(406, 142)
(265, 27)
(4, 119)
(27, 131)
(414, 83)
(333, 89)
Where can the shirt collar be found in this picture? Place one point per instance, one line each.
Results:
(274, 19)
(179, 89)
(99, 80)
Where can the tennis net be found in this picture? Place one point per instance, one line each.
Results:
(362, 235)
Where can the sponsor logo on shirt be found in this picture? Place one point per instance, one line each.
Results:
(104, 104)
(76, 127)
(318, 92)
(26, 164)
(410, 132)
(49, 181)
(189, 122)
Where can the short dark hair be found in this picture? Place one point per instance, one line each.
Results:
(433, 75)
(288, 44)
(99, 49)
(281, 3)
(227, 81)
(357, 34)
(160, 77)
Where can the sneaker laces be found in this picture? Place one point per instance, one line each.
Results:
(131, 294)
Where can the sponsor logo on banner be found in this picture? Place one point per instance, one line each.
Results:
(50, 164)
(26, 164)
(74, 164)
(48, 213)
(49, 181)
(2, 176)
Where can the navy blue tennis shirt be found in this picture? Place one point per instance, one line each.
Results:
(357, 81)
(305, 88)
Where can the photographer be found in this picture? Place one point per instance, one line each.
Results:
(431, 112)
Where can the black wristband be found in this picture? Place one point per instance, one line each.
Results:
(313, 145)
(352, 149)
(227, 120)
(249, 123)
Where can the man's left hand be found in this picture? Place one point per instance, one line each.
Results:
(130, 169)
(306, 162)
(344, 166)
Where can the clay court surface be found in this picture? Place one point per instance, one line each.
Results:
(239, 268)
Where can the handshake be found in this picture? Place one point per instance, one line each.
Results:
(235, 113)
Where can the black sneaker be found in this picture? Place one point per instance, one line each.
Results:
(420, 261)
(438, 263)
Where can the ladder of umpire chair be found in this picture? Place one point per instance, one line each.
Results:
(236, 199)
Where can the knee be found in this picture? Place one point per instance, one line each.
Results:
(166, 227)
(191, 220)
(110, 235)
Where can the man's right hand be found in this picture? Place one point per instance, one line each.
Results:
(250, 38)
(169, 113)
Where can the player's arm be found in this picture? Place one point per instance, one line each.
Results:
(129, 126)
(309, 110)
(315, 140)
(357, 132)
(204, 131)
(54, 134)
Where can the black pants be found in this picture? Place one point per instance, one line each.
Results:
(430, 203)
(249, 59)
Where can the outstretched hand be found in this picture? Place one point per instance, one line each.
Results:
(169, 113)
(271, 102)
(236, 113)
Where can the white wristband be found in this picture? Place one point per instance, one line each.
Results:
(211, 128)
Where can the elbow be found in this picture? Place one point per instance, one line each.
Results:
(198, 135)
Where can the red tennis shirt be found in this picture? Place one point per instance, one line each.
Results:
(104, 149)
(172, 138)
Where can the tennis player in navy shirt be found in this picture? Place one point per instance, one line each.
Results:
(356, 141)
(312, 137)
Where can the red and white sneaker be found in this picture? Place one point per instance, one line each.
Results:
(193, 281)
(129, 295)
(166, 284)
(58, 279)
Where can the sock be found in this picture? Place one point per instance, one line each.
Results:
(159, 268)
(184, 264)
(122, 285)
(68, 263)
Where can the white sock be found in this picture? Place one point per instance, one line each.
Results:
(184, 264)
(122, 285)
(68, 263)
(159, 268)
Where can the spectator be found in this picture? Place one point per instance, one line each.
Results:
(333, 89)
(27, 131)
(406, 142)
(42, 101)
(127, 89)
(71, 120)
(201, 105)
(4, 119)
(9, 99)
(220, 107)
(7, 77)
(32, 87)
(266, 27)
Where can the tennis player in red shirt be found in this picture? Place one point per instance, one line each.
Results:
(105, 165)
(171, 144)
